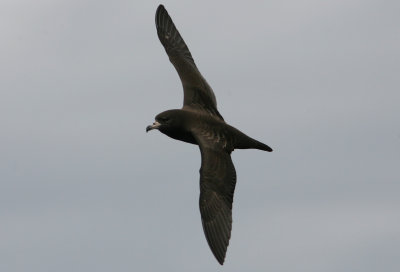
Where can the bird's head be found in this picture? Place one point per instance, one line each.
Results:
(166, 121)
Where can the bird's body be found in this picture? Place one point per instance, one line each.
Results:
(200, 123)
(215, 130)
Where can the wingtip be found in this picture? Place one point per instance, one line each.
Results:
(218, 233)
(160, 8)
(161, 14)
(221, 260)
(219, 257)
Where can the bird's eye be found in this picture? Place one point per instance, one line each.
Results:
(163, 119)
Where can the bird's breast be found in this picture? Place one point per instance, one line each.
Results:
(180, 135)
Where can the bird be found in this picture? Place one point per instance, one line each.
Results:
(199, 122)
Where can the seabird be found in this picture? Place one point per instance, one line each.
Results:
(200, 123)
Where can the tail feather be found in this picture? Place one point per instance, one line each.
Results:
(245, 142)
(262, 146)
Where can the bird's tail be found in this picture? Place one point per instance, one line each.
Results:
(242, 141)
(261, 146)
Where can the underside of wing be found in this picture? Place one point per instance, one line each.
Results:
(198, 95)
(170, 38)
(217, 186)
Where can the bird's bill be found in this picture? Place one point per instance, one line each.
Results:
(155, 125)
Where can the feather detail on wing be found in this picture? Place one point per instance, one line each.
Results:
(198, 95)
(217, 186)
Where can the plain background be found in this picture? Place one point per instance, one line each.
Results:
(84, 188)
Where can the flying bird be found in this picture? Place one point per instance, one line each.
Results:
(200, 123)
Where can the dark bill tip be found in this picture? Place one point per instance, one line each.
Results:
(155, 125)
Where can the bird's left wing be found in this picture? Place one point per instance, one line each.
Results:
(217, 186)
(197, 94)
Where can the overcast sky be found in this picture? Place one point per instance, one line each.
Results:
(84, 188)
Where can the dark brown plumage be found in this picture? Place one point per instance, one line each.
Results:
(200, 123)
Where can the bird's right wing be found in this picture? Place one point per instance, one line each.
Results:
(217, 186)
(198, 95)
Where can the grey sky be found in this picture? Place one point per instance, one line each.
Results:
(84, 188)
